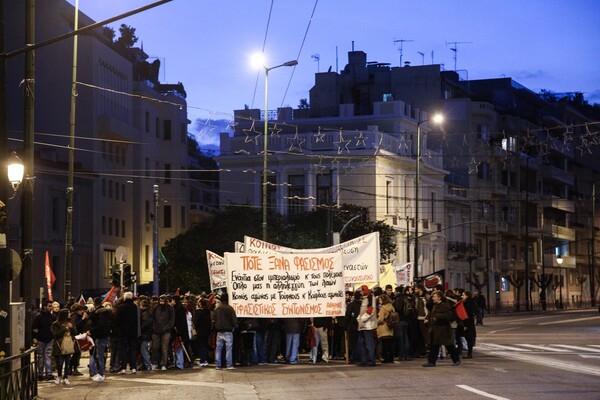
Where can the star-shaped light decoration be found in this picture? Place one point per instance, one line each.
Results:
(296, 142)
(402, 144)
(335, 164)
(543, 148)
(360, 140)
(473, 166)
(584, 147)
(320, 168)
(319, 137)
(231, 125)
(342, 144)
(275, 130)
(568, 136)
(348, 168)
(249, 131)
(465, 141)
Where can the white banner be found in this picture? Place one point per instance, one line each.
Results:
(216, 270)
(405, 274)
(285, 285)
(360, 256)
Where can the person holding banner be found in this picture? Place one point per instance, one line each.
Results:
(367, 324)
(225, 321)
(293, 329)
(42, 334)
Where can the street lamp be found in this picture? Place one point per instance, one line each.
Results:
(559, 261)
(437, 119)
(155, 282)
(265, 142)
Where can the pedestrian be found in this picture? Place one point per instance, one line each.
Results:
(127, 318)
(351, 317)
(273, 339)
(182, 332)
(292, 328)
(100, 327)
(404, 307)
(202, 321)
(469, 331)
(145, 333)
(63, 347)
(367, 324)
(385, 333)
(80, 320)
(225, 321)
(322, 326)
(42, 334)
(440, 333)
(481, 304)
(163, 319)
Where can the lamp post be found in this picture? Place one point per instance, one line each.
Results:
(437, 118)
(559, 261)
(265, 143)
(155, 282)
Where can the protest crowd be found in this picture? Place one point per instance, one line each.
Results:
(150, 333)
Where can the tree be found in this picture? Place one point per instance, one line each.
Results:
(543, 282)
(127, 38)
(517, 281)
(303, 104)
(581, 279)
(474, 280)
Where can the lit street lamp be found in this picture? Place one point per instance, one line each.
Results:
(437, 119)
(559, 261)
(265, 141)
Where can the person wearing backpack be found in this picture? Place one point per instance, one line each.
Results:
(63, 348)
(405, 310)
(385, 333)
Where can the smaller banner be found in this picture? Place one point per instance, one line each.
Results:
(50, 278)
(216, 270)
(405, 274)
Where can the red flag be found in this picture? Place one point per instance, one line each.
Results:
(50, 278)
(111, 295)
(81, 300)
(177, 292)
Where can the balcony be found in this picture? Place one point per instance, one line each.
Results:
(557, 174)
(559, 204)
(559, 232)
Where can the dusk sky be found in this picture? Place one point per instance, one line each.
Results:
(207, 45)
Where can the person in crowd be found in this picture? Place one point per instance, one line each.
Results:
(55, 308)
(63, 347)
(367, 323)
(42, 335)
(469, 331)
(202, 321)
(385, 334)
(481, 304)
(80, 318)
(405, 310)
(182, 330)
(322, 326)
(352, 313)
(163, 320)
(115, 356)
(422, 312)
(337, 350)
(225, 321)
(273, 339)
(292, 328)
(389, 291)
(127, 318)
(145, 333)
(99, 329)
(438, 321)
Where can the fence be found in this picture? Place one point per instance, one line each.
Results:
(18, 377)
(513, 306)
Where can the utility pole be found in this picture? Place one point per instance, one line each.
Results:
(593, 263)
(455, 50)
(400, 49)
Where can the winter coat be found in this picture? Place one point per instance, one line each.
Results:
(367, 320)
(146, 325)
(225, 319)
(440, 318)
(127, 319)
(352, 311)
(181, 322)
(293, 325)
(100, 323)
(468, 329)
(202, 321)
(382, 328)
(42, 326)
(163, 319)
(58, 332)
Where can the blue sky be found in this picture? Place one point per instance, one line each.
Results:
(207, 45)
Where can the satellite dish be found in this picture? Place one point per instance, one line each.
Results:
(15, 264)
(121, 254)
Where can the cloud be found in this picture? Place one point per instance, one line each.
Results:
(208, 132)
(593, 97)
(529, 74)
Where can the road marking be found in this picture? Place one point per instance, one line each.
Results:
(481, 392)
(544, 348)
(584, 349)
(562, 365)
(588, 356)
(529, 319)
(233, 391)
(503, 330)
(568, 321)
(502, 347)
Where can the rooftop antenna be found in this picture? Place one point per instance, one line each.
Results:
(316, 57)
(401, 41)
(455, 50)
(422, 57)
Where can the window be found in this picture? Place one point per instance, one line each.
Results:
(116, 227)
(167, 129)
(324, 189)
(484, 172)
(166, 216)
(123, 228)
(157, 127)
(388, 97)
(432, 206)
(55, 213)
(103, 225)
(482, 133)
(110, 227)
(295, 194)
(167, 173)
(147, 257)
(147, 122)
(108, 260)
(389, 201)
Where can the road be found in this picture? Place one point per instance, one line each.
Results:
(518, 356)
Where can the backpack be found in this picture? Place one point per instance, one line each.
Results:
(67, 344)
(392, 320)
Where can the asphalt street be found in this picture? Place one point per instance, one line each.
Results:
(554, 355)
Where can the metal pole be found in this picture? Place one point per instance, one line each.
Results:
(27, 199)
(155, 282)
(265, 149)
(70, 185)
(417, 172)
(487, 266)
(527, 234)
(407, 239)
(593, 263)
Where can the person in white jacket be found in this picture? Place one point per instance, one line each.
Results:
(367, 324)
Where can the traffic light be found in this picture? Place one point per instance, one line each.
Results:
(116, 275)
(127, 275)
